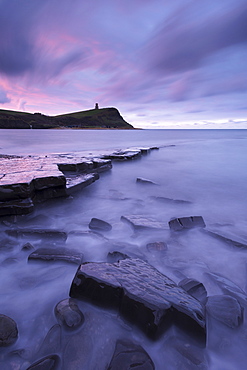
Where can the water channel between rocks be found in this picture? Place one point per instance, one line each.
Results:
(202, 174)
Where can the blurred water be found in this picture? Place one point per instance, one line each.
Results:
(205, 167)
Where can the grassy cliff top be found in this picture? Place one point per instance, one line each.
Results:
(93, 118)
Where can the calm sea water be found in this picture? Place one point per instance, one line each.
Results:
(205, 167)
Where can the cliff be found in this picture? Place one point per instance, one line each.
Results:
(105, 118)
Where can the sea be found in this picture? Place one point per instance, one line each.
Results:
(196, 173)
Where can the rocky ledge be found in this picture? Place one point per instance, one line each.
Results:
(25, 181)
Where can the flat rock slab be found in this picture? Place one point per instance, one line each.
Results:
(128, 355)
(79, 182)
(8, 331)
(16, 207)
(47, 234)
(141, 293)
(56, 254)
(233, 240)
(142, 222)
(183, 223)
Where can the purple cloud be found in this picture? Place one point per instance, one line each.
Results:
(182, 46)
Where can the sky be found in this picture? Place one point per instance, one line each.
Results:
(161, 63)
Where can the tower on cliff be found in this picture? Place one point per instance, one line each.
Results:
(96, 106)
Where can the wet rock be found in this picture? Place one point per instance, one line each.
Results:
(123, 155)
(99, 225)
(16, 186)
(48, 179)
(128, 355)
(170, 200)
(52, 342)
(228, 287)
(141, 180)
(182, 223)
(194, 288)
(16, 207)
(141, 293)
(142, 222)
(116, 256)
(49, 193)
(225, 309)
(102, 164)
(47, 234)
(79, 182)
(231, 240)
(50, 362)
(8, 331)
(68, 314)
(56, 254)
(156, 246)
(27, 247)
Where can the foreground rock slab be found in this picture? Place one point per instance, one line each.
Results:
(141, 293)
(57, 254)
(128, 355)
(8, 331)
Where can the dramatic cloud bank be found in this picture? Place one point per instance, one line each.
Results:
(162, 63)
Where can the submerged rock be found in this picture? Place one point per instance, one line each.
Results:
(57, 254)
(8, 331)
(142, 222)
(141, 293)
(99, 225)
(228, 286)
(225, 309)
(231, 240)
(68, 314)
(50, 362)
(156, 246)
(141, 180)
(79, 182)
(49, 234)
(128, 355)
(194, 288)
(182, 223)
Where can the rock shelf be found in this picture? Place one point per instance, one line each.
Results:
(25, 181)
(141, 293)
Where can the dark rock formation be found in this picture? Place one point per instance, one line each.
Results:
(8, 331)
(141, 293)
(16, 207)
(57, 254)
(123, 155)
(99, 225)
(225, 309)
(68, 314)
(142, 222)
(129, 356)
(44, 234)
(27, 247)
(183, 223)
(194, 288)
(50, 362)
(156, 246)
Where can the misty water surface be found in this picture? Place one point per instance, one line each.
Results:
(205, 168)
